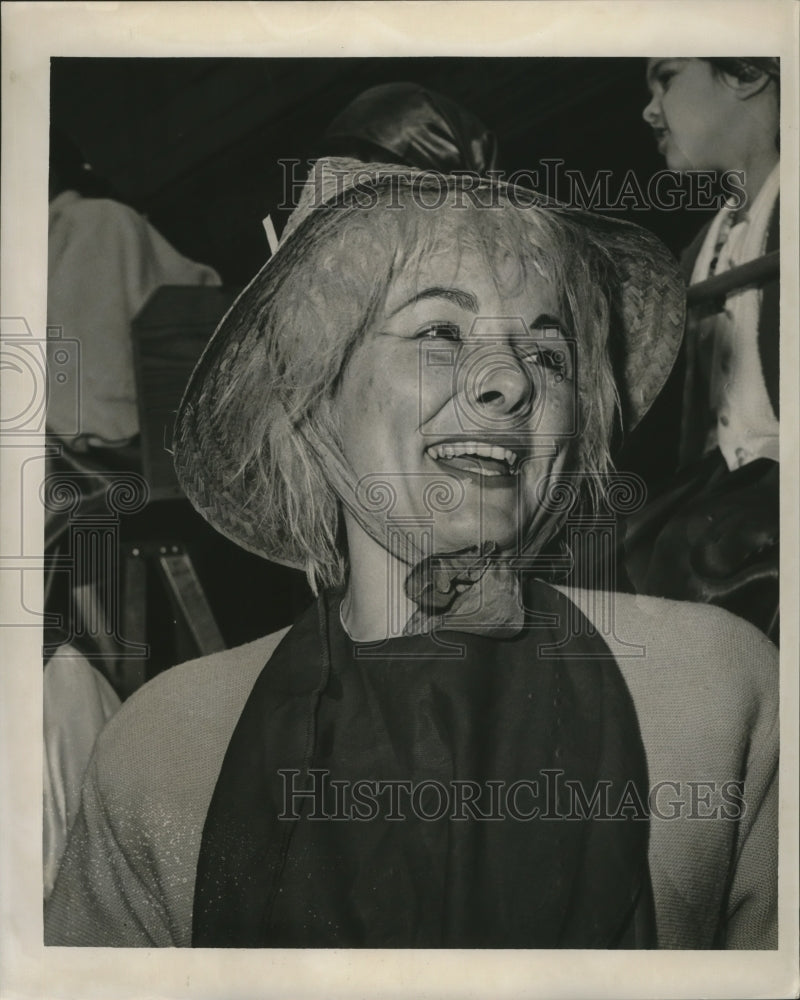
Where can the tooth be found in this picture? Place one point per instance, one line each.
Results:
(477, 448)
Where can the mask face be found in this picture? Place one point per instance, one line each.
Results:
(695, 114)
(466, 380)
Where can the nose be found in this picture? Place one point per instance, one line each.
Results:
(497, 384)
(652, 110)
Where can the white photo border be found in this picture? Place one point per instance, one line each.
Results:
(32, 34)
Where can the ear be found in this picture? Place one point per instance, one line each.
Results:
(748, 82)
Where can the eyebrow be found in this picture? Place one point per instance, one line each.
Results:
(545, 321)
(469, 302)
(465, 300)
(655, 69)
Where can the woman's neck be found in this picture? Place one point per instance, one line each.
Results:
(375, 605)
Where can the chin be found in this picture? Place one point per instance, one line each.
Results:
(677, 161)
(457, 537)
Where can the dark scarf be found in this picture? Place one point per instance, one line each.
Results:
(445, 708)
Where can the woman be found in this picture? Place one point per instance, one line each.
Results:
(444, 751)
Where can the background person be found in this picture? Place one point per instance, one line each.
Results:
(105, 260)
(414, 125)
(711, 534)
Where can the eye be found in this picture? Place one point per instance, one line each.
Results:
(555, 359)
(664, 78)
(666, 74)
(439, 331)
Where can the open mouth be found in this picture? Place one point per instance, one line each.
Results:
(475, 457)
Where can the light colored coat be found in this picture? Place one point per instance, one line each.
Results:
(705, 688)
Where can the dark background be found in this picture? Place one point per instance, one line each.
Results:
(194, 143)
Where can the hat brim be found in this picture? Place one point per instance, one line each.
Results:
(650, 307)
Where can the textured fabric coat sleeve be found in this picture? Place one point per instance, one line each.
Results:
(127, 875)
(100, 899)
(751, 919)
(706, 693)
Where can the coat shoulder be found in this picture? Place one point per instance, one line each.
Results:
(184, 717)
(695, 650)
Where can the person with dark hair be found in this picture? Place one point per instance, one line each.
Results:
(444, 751)
(713, 533)
(410, 124)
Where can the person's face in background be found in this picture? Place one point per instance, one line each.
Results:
(696, 115)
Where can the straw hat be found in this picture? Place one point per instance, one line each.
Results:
(649, 305)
